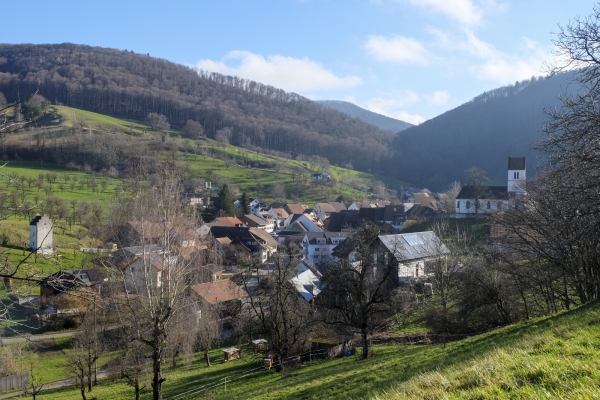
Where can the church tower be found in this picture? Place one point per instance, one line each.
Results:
(516, 174)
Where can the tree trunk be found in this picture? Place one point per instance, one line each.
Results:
(207, 358)
(157, 378)
(137, 391)
(365, 343)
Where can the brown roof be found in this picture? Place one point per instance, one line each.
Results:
(280, 212)
(426, 200)
(252, 220)
(328, 208)
(229, 221)
(216, 292)
(337, 205)
(264, 235)
(295, 208)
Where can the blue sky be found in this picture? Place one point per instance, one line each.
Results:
(408, 59)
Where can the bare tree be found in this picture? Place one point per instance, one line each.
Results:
(209, 330)
(360, 292)
(274, 308)
(477, 180)
(156, 291)
(278, 192)
(158, 122)
(193, 129)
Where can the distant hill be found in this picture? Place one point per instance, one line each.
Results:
(390, 124)
(484, 132)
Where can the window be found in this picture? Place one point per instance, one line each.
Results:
(457, 203)
(468, 204)
(489, 205)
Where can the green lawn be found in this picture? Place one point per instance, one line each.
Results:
(552, 357)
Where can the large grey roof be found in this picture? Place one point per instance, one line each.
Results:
(410, 246)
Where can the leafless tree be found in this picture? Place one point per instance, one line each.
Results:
(278, 192)
(209, 330)
(360, 292)
(477, 180)
(274, 308)
(158, 122)
(156, 292)
(88, 346)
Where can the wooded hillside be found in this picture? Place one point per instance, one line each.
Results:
(132, 85)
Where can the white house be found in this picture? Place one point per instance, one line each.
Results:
(311, 224)
(412, 251)
(494, 198)
(317, 247)
(40, 234)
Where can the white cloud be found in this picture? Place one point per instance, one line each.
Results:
(398, 49)
(462, 11)
(505, 68)
(486, 61)
(438, 98)
(288, 73)
(393, 104)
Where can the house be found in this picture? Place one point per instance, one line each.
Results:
(295, 208)
(40, 234)
(323, 210)
(342, 221)
(224, 294)
(426, 199)
(136, 233)
(412, 252)
(321, 177)
(317, 247)
(306, 282)
(309, 223)
(254, 221)
(494, 198)
(229, 221)
(240, 243)
(65, 281)
(279, 216)
(395, 215)
(418, 212)
(268, 244)
(254, 206)
(147, 270)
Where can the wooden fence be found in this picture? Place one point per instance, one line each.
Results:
(13, 382)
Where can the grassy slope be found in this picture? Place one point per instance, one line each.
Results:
(552, 357)
(254, 181)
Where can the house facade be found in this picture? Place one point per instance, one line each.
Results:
(317, 247)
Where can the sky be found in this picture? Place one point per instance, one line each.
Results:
(407, 59)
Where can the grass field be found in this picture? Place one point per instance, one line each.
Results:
(552, 357)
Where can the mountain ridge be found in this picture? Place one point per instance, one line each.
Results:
(373, 118)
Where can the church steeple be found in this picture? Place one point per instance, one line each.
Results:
(516, 174)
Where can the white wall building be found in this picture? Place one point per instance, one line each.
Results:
(40, 234)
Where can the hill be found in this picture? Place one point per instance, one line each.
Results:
(109, 146)
(249, 114)
(390, 124)
(484, 132)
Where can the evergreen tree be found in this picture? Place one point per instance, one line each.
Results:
(244, 204)
(226, 202)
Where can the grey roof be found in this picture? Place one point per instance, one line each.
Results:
(488, 192)
(410, 246)
(516, 163)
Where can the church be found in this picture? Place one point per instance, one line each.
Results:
(494, 198)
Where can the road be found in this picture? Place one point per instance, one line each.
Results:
(35, 338)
